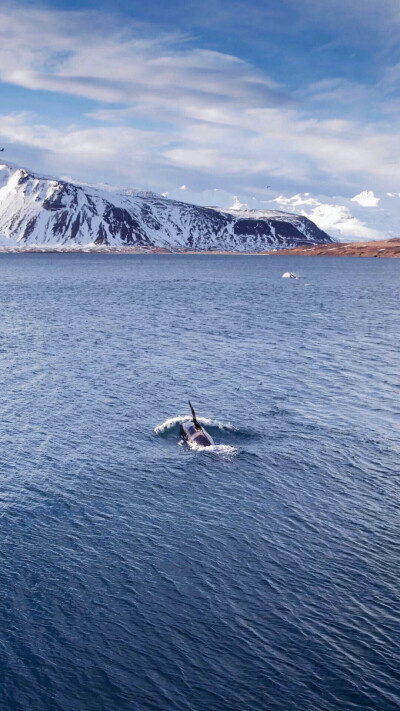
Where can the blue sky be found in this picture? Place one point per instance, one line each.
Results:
(299, 96)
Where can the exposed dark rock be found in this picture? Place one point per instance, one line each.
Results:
(57, 212)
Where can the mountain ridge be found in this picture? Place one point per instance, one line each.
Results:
(37, 210)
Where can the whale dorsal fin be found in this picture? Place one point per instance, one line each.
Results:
(195, 422)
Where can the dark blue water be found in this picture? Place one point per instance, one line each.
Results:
(138, 574)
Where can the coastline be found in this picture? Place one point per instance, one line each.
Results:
(389, 248)
(382, 248)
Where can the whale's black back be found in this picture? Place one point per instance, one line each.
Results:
(196, 436)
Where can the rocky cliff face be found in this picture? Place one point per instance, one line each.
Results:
(41, 211)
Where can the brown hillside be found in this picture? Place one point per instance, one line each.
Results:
(383, 248)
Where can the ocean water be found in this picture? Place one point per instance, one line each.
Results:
(138, 574)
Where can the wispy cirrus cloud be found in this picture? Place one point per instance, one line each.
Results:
(78, 53)
(165, 111)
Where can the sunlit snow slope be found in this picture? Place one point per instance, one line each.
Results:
(42, 211)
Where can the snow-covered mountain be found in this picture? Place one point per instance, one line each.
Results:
(42, 211)
(365, 216)
(362, 217)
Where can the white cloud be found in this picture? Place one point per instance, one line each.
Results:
(334, 219)
(346, 221)
(104, 153)
(237, 205)
(206, 113)
(89, 55)
(340, 217)
(366, 199)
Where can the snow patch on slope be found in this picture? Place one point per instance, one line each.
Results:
(366, 216)
(36, 210)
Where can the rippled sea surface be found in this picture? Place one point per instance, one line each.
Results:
(139, 574)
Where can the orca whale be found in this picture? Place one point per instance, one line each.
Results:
(194, 433)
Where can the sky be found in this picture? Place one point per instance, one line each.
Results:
(225, 102)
